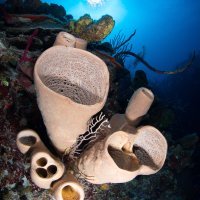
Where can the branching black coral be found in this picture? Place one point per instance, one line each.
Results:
(120, 43)
(120, 40)
(123, 49)
(94, 132)
(179, 70)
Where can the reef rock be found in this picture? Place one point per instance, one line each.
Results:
(189, 140)
(36, 7)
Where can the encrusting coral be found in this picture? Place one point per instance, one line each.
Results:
(72, 86)
(92, 31)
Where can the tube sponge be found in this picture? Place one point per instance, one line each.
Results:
(122, 156)
(127, 151)
(139, 105)
(71, 86)
(150, 147)
(68, 188)
(65, 39)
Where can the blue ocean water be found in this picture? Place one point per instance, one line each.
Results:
(169, 31)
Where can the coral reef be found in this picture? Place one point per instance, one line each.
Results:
(91, 30)
(19, 110)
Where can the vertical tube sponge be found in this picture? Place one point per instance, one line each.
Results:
(81, 44)
(65, 39)
(71, 86)
(139, 105)
(68, 40)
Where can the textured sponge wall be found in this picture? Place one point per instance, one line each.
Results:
(72, 86)
(76, 76)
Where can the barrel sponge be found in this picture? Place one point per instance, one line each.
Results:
(71, 85)
(150, 147)
(74, 74)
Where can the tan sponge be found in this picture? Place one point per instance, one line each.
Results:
(71, 85)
